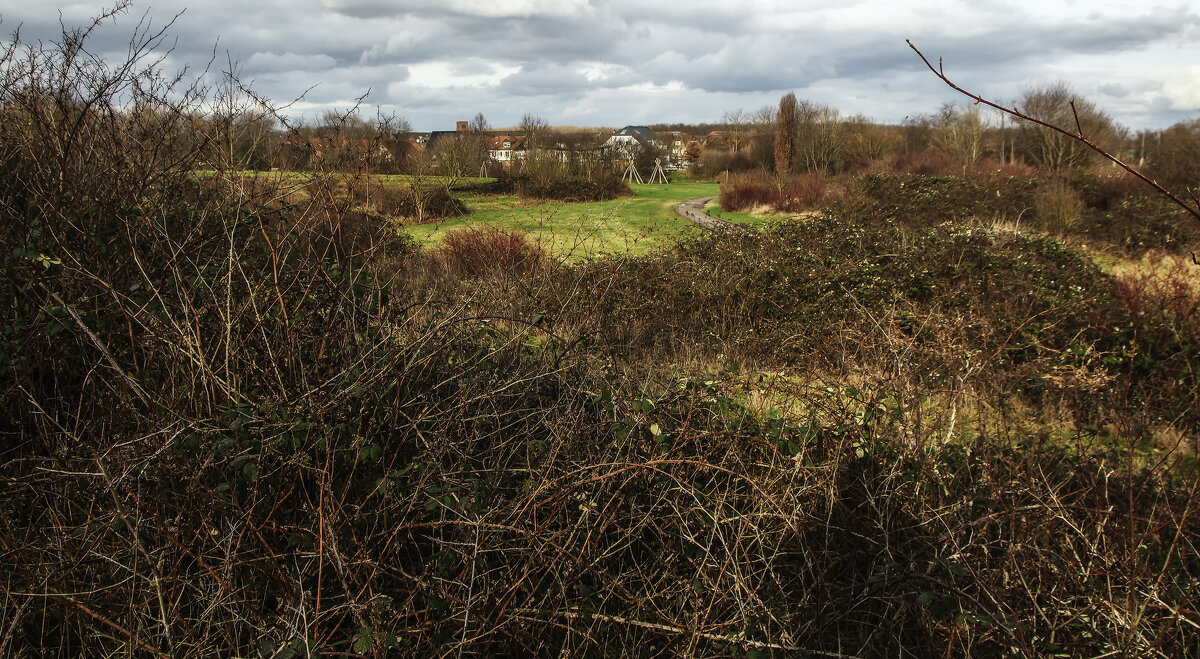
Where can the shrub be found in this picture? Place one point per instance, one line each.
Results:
(505, 183)
(785, 194)
(1162, 300)
(374, 196)
(228, 433)
(428, 204)
(1176, 163)
(712, 162)
(478, 252)
(925, 201)
(744, 192)
(573, 188)
(995, 168)
(800, 192)
(1106, 189)
(1057, 207)
(927, 162)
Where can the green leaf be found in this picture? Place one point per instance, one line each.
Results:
(364, 640)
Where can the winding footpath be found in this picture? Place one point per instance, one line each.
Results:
(692, 210)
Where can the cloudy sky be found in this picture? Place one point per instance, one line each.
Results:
(618, 62)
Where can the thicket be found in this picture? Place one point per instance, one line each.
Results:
(563, 185)
(418, 201)
(242, 419)
(1102, 207)
(758, 190)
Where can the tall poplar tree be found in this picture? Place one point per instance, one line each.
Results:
(785, 133)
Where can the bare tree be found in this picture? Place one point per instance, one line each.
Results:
(463, 154)
(864, 141)
(1176, 155)
(534, 128)
(1057, 104)
(401, 128)
(959, 131)
(736, 121)
(480, 124)
(785, 133)
(818, 144)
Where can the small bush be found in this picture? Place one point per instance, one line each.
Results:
(478, 252)
(714, 161)
(1057, 207)
(789, 194)
(801, 192)
(429, 205)
(378, 198)
(506, 183)
(995, 168)
(744, 196)
(918, 201)
(1162, 300)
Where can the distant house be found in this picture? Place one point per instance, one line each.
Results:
(628, 142)
(724, 138)
(505, 149)
(405, 149)
(460, 128)
(681, 147)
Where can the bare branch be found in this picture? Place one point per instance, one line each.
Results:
(1194, 211)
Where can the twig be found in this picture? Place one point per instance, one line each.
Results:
(674, 629)
(112, 625)
(133, 384)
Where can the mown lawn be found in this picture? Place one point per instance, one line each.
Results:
(634, 225)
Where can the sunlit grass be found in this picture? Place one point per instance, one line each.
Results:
(633, 225)
(752, 218)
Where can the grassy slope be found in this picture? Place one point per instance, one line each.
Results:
(635, 224)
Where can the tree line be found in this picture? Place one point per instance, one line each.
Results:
(803, 136)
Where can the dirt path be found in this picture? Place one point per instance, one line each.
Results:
(692, 210)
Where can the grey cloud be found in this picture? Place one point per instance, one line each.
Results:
(1114, 89)
(271, 62)
(546, 79)
(719, 51)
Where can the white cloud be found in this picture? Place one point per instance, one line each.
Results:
(448, 75)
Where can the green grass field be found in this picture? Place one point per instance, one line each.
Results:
(634, 225)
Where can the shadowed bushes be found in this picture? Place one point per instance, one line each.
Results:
(600, 186)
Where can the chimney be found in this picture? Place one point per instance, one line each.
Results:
(462, 126)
